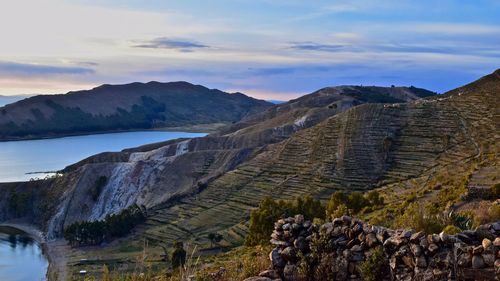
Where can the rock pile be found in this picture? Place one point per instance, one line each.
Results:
(337, 250)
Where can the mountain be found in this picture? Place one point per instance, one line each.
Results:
(123, 107)
(407, 143)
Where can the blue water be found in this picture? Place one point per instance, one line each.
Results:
(21, 257)
(4, 100)
(17, 158)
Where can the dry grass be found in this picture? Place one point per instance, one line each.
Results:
(237, 264)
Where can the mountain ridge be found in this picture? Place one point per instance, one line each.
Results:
(123, 107)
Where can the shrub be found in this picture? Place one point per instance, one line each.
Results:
(375, 267)
(356, 201)
(495, 191)
(420, 219)
(214, 238)
(178, 257)
(464, 221)
(340, 211)
(451, 229)
(340, 202)
(375, 198)
(262, 219)
(336, 199)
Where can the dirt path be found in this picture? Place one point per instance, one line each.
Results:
(57, 252)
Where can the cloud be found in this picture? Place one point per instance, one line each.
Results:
(172, 43)
(313, 46)
(13, 69)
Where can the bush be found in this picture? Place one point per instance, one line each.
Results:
(178, 257)
(375, 267)
(336, 199)
(262, 219)
(420, 219)
(214, 238)
(340, 211)
(495, 191)
(340, 202)
(375, 198)
(451, 229)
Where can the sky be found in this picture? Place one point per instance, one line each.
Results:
(269, 49)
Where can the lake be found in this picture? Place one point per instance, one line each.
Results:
(19, 159)
(21, 257)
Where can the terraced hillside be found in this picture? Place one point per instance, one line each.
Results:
(154, 175)
(372, 145)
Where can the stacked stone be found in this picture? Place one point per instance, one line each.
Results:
(347, 242)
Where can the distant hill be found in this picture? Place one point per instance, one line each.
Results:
(123, 107)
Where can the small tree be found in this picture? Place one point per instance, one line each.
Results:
(375, 198)
(178, 255)
(338, 198)
(214, 238)
(375, 267)
(356, 201)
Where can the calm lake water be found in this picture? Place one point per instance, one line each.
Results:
(18, 158)
(21, 257)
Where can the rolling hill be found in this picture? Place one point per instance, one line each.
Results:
(123, 107)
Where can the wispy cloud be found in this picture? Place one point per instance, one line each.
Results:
(171, 43)
(37, 70)
(314, 46)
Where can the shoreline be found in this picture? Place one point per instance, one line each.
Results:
(199, 128)
(56, 268)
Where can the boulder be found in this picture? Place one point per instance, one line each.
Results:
(433, 248)
(291, 272)
(477, 250)
(299, 219)
(276, 260)
(279, 243)
(258, 278)
(346, 219)
(289, 254)
(464, 260)
(371, 240)
(417, 250)
(487, 244)
(477, 262)
(421, 262)
(464, 238)
(496, 242)
(272, 274)
(300, 243)
(489, 259)
(415, 237)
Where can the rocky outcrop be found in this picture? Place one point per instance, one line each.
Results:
(340, 249)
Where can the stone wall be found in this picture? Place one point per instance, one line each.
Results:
(337, 249)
